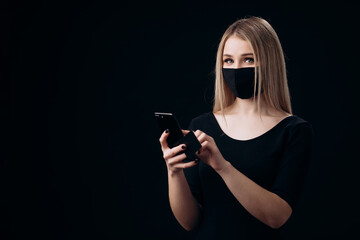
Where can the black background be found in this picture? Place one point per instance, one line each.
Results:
(80, 80)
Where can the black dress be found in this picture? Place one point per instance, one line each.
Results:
(276, 160)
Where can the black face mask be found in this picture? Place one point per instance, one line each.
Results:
(241, 81)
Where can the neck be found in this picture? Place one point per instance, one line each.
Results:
(247, 107)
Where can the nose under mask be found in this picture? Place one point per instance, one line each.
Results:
(241, 81)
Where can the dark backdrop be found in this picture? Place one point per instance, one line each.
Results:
(80, 80)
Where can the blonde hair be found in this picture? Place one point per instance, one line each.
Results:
(269, 61)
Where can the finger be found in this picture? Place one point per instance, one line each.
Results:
(162, 140)
(185, 131)
(202, 137)
(204, 145)
(171, 152)
(186, 165)
(198, 132)
(177, 159)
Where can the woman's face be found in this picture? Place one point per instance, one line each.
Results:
(237, 54)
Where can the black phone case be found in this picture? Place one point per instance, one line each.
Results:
(192, 144)
(176, 136)
(168, 121)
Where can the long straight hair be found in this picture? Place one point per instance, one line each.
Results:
(269, 61)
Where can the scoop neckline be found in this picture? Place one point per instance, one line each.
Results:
(251, 139)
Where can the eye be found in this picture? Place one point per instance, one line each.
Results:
(227, 60)
(249, 60)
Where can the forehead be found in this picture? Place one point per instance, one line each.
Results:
(236, 46)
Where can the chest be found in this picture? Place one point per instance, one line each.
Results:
(259, 160)
(245, 129)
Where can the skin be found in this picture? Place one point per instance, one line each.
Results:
(244, 123)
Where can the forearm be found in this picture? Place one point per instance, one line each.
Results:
(264, 205)
(184, 206)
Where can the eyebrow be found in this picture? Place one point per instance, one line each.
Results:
(244, 54)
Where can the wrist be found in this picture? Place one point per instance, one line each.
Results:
(174, 173)
(222, 168)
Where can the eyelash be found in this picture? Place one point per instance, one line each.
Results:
(252, 60)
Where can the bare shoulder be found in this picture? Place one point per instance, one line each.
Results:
(220, 115)
(279, 115)
(276, 116)
(227, 111)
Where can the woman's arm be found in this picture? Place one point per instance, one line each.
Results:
(183, 205)
(264, 205)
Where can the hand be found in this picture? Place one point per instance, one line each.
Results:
(173, 160)
(209, 153)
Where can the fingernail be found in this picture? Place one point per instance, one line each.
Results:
(183, 146)
(167, 130)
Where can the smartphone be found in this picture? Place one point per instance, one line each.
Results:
(168, 121)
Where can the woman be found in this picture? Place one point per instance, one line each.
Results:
(254, 153)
